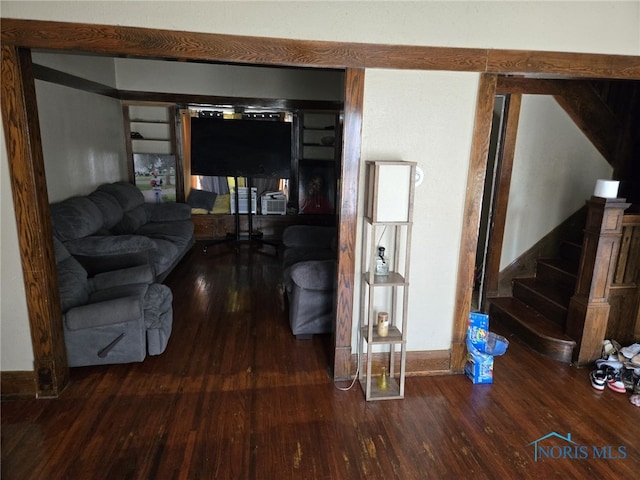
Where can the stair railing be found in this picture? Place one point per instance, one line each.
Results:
(589, 307)
(624, 294)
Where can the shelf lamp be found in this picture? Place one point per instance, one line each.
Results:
(389, 192)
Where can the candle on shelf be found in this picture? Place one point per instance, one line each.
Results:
(383, 324)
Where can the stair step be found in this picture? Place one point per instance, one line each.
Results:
(571, 251)
(540, 333)
(550, 300)
(557, 271)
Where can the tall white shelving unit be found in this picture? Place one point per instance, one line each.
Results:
(388, 218)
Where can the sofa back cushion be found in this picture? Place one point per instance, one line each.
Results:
(131, 221)
(108, 204)
(132, 202)
(127, 194)
(75, 217)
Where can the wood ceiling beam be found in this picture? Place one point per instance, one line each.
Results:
(239, 49)
(593, 118)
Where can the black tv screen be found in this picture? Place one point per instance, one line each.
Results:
(242, 148)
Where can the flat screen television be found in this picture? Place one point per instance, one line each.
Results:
(242, 148)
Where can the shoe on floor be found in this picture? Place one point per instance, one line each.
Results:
(631, 350)
(616, 384)
(603, 364)
(628, 379)
(598, 379)
(635, 399)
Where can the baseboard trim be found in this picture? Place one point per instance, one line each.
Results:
(421, 363)
(18, 384)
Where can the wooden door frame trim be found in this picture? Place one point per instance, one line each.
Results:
(24, 145)
(502, 187)
(31, 204)
(472, 210)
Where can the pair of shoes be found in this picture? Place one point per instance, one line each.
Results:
(608, 372)
(634, 361)
(609, 364)
(614, 381)
(630, 351)
(598, 379)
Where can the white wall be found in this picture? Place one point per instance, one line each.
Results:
(547, 141)
(440, 108)
(556, 26)
(83, 147)
(229, 80)
(82, 135)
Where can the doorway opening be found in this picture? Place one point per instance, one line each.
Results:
(494, 158)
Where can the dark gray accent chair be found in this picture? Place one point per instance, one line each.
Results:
(114, 317)
(309, 261)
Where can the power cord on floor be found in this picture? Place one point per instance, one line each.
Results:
(355, 378)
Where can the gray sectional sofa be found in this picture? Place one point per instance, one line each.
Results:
(114, 228)
(112, 251)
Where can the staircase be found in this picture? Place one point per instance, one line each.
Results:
(537, 310)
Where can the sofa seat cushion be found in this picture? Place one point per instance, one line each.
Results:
(137, 290)
(164, 255)
(75, 217)
(180, 233)
(112, 252)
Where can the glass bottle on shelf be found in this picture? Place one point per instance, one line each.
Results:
(382, 263)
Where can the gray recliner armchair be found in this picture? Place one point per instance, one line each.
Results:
(309, 261)
(113, 317)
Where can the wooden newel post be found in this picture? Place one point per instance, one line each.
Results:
(589, 307)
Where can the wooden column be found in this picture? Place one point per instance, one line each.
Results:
(589, 307)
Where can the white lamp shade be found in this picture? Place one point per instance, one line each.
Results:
(389, 190)
(606, 188)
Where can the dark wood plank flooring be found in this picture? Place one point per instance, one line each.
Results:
(236, 396)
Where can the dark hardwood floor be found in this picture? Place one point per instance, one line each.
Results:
(236, 396)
